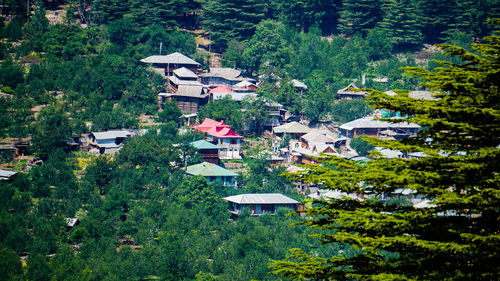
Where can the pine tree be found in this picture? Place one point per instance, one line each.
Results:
(400, 23)
(456, 237)
(357, 16)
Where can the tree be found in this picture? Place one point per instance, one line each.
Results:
(400, 23)
(456, 236)
(171, 112)
(52, 130)
(357, 16)
(362, 147)
(225, 109)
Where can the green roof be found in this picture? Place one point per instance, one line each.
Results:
(209, 170)
(203, 144)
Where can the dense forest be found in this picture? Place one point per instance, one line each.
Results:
(140, 217)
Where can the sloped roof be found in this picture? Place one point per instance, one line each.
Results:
(292, 128)
(320, 136)
(203, 144)
(220, 89)
(369, 122)
(260, 198)
(347, 91)
(298, 84)
(113, 134)
(419, 95)
(217, 129)
(6, 173)
(194, 91)
(245, 84)
(226, 73)
(209, 170)
(185, 73)
(174, 58)
(178, 81)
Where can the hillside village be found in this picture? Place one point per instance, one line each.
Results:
(222, 140)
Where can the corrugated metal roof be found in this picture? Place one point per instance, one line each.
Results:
(174, 58)
(369, 122)
(185, 73)
(203, 144)
(261, 198)
(226, 73)
(189, 91)
(113, 134)
(298, 84)
(179, 82)
(347, 91)
(209, 170)
(292, 128)
(419, 95)
(6, 174)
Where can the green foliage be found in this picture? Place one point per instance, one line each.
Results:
(345, 111)
(224, 109)
(170, 113)
(357, 16)
(361, 146)
(51, 131)
(453, 238)
(11, 74)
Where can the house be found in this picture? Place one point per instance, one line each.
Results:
(320, 140)
(6, 175)
(245, 86)
(348, 93)
(188, 98)
(182, 76)
(108, 142)
(165, 65)
(223, 76)
(371, 127)
(221, 92)
(293, 129)
(299, 85)
(207, 150)
(213, 173)
(261, 203)
(221, 134)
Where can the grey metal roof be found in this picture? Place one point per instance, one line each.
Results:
(261, 198)
(320, 136)
(185, 73)
(369, 122)
(226, 73)
(298, 84)
(113, 134)
(291, 128)
(178, 81)
(174, 58)
(195, 91)
(347, 91)
(6, 174)
(419, 95)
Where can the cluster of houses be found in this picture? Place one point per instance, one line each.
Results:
(292, 142)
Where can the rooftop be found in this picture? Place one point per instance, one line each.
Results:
(194, 91)
(419, 95)
(113, 134)
(4, 174)
(226, 73)
(209, 170)
(261, 198)
(179, 82)
(174, 58)
(292, 128)
(298, 84)
(347, 91)
(185, 73)
(217, 129)
(203, 144)
(369, 122)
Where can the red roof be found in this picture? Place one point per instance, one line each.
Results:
(217, 129)
(220, 89)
